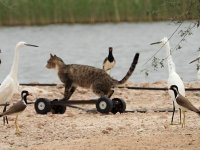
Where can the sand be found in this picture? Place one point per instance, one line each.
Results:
(81, 129)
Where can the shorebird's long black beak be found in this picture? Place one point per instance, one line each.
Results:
(155, 43)
(194, 60)
(31, 45)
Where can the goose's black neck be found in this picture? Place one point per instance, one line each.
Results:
(110, 56)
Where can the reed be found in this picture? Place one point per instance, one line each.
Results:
(40, 12)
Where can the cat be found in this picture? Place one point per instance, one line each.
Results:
(74, 75)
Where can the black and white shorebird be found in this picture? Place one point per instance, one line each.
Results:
(17, 108)
(10, 84)
(109, 61)
(183, 103)
(173, 78)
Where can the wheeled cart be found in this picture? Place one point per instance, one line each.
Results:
(103, 105)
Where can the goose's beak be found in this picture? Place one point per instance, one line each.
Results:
(195, 60)
(155, 43)
(31, 45)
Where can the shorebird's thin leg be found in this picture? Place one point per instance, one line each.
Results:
(5, 118)
(184, 119)
(180, 114)
(173, 113)
(16, 125)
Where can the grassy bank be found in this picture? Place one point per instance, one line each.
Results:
(39, 12)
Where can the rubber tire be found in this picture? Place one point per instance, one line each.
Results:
(58, 109)
(119, 105)
(42, 106)
(115, 106)
(104, 105)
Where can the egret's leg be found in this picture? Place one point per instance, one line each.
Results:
(6, 119)
(180, 114)
(16, 125)
(4, 122)
(173, 113)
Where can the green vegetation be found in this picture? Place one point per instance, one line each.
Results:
(39, 12)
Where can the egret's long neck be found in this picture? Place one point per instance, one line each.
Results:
(168, 49)
(170, 63)
(14, 68)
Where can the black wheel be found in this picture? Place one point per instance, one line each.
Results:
(58, 109)
(42, 106)
(104, 105)
(119, 105)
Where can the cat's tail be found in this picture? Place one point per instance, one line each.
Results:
(131, 69)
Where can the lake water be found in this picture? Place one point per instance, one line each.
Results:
(88, 44)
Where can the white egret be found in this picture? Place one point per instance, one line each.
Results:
(183, 103)
(17, 108)
(10, 84)
(173, 78)
(109, 61)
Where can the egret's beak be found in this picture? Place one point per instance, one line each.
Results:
(155, 43)
(31, 45)
(195, 60)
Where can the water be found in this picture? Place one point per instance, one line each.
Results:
(88, 44)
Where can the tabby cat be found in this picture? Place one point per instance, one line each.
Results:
(74, 75)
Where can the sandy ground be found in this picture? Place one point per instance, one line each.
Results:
(79, 129)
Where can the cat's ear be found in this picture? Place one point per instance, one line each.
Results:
(51, 55)
(54, 56)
